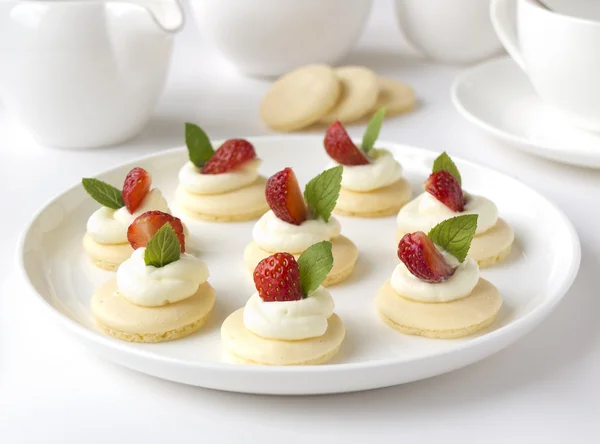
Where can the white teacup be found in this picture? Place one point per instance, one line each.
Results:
(559, 49)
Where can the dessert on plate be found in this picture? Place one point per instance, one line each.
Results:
(295, 222)
(290, 318)
(222, 185)
(436, 290)
(105, 240)
(444, 198)
(372, 182)
(160, 293)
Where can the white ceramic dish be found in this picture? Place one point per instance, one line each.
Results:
(497, 96)
(533, 279)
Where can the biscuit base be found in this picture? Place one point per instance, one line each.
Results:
(245, 347)
(382, 202)
(345, 255)
(226, 218)
(440, 320)
(106, 256)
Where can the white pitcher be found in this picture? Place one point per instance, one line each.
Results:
(85, 73)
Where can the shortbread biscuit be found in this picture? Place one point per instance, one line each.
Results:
(382, 202)
(106, 256)
(395, 96)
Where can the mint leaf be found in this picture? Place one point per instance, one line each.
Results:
(372, 131)
(198, 144)
(455, 235)
(314, 264)
(322, 192)
(163, 248)
(103, 193)
(445, 163)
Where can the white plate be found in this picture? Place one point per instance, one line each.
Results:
(497, 96)
(534, 278)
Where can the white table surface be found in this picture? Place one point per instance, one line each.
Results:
(545, 388)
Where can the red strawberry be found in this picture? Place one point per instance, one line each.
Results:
(444, 187)
(285, 197)
(340, 147)
(277, 278)
(146, 225)
(231, 155)
(422, 259)
(136, 186)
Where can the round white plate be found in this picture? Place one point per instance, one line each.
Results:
(533, 279)
(497, 96)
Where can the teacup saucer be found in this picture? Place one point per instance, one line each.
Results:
(498, 97)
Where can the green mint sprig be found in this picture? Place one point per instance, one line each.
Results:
(200, 149)
(455, 235)
(315, 264)
(103, 193)
(322, 192)
(372, 131)
(445, 163)
(163, 248)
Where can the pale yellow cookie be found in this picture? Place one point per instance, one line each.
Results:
(118, 317)
(490, 247)
(300, 98)
(382, 202)
(238, 205)
(395, 96)
(106, 256)
(447, 320)
(359, 94)
(248, 348)
(343, 249)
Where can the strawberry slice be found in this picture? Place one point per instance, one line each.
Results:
(136, 186)
(285, 197)
(277, 278)
(340, 147)
(423, 259)
(146, 225)
(231, 155)
(444, 187)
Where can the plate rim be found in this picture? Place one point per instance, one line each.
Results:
(531, 318)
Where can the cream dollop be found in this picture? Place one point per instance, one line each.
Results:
(290, 320)
(457, 286)
(272, 234)
(193, 181)
(383, 170)
(108, 226)
(425, 211)
(150, 286)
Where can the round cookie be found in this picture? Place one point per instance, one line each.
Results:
(106, 256)
(360, 90)
(489, 247)
(395, 96)
(300, 98)
(344, 253)
(118, 317)
(382, 202)
(248, 348)
(238, 205)
(447, 320)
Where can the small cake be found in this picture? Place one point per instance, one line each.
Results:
(290, 318)
(436, 290)
(160, 293)
(372, 182)
(444, 198)
(105, 241)
(222, 185)
(295, 222)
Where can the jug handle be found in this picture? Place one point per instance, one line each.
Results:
(167, 14)
(504, 21)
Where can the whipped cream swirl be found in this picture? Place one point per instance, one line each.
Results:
(457, 286)
(108, 226)
(273, 234)
(425, 211)
(150, 286)
(383, 170)
(193, 181)
(290, 320)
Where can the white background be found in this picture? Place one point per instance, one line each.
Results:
(545, 388)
